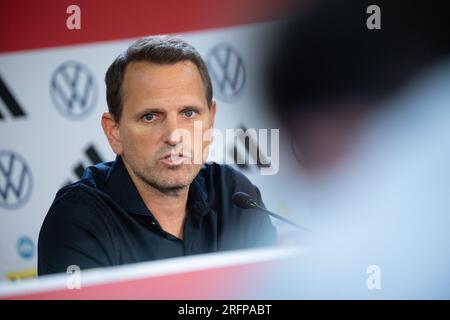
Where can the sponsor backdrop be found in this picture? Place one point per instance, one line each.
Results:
(53, 95)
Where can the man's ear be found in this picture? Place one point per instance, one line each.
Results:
(111, 130)
(212, 113)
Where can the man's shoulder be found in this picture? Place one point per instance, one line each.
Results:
(94, 178)
(223, 172)
(239, 229)
(74, 225)
(82, 193)
(225, 179)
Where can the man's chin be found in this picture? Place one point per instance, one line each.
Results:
(169, 187)
(177, 177)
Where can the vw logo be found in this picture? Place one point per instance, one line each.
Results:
(15, 180)
(73, 90)
(25, 247)
(227, 71)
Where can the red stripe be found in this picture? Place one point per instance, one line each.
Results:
(232, 282)
(38, 24)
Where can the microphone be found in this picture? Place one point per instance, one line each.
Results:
(245, 201)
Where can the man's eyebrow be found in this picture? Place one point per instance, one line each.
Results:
(191, 106)
(145, 111)
(157, 110)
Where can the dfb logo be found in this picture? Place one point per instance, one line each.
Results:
(73, 90)
(15, 180)
(227, 71)
(25, 247)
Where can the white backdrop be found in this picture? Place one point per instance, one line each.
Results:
(50, 144)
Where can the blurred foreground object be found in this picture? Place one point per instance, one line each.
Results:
(368, 112)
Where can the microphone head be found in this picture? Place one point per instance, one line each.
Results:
(243, 200)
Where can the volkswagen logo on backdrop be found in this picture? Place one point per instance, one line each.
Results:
(227, 71)
(73, 90)
(15, 180)
(25, 247)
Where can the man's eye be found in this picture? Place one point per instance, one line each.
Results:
(149, 117)
(189, 113)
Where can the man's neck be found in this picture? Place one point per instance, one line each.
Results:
(168, 209)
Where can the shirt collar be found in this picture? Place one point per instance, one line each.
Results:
(198, 197)
(123, 191)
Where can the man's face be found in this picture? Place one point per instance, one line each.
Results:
(159, 102)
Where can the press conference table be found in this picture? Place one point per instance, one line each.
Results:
(226, 275)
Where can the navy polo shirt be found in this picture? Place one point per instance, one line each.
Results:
(102, 220)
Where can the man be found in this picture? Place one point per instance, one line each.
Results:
(158, 199)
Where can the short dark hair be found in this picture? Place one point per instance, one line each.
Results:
(154, 49)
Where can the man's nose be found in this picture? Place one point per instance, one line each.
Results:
(173, 134)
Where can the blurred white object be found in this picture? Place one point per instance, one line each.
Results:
(385, 209)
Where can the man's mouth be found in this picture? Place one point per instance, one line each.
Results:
(174, 159)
